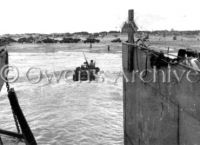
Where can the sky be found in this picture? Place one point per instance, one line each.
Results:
(61, 16)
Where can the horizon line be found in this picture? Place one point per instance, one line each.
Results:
(110, 31)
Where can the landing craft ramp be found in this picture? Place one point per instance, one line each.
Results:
(164, 112)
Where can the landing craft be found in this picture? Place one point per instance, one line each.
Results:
(86, 72)
(157, 112)
(24, 133)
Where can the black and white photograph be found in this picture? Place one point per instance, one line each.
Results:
(91, 72)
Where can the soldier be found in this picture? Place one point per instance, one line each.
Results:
(92, 64)
(85, 65)
(108, 48)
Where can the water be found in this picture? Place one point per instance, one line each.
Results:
(68, 113)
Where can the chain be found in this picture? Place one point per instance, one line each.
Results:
(7, 85)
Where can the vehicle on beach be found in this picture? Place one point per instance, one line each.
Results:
(117, 40)
(91, 40)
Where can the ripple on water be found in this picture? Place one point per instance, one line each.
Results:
(70, 114)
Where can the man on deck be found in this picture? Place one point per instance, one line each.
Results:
(92, 64)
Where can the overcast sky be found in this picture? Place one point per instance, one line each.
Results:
(49, 16)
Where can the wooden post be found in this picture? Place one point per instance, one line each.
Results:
(131, 31)
(26, 131)
(131, 53)
(130, 40)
